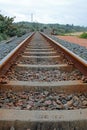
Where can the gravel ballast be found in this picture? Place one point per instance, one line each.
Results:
(42, 74)
(6, 47)
(42, 100)
(77, 49)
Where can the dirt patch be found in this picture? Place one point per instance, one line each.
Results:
(74, 39)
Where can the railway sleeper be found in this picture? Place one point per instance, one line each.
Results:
(48, 67)
(43, 120)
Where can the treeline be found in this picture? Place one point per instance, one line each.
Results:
(8, 28)
(59, 29)
(56, 29)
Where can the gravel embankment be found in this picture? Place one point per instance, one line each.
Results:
(6, 47)
(42, 100)
(77, 49)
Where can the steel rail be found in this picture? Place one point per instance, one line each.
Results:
(8, 60)
(77, 61)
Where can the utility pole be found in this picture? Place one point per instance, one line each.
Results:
(32, 17)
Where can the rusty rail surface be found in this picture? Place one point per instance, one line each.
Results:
(10, 58)
(76, 60)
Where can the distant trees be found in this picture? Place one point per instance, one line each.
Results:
(55, 29)
(60, 29)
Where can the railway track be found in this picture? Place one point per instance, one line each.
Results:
(42, 87)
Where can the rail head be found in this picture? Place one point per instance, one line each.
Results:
(79, 63)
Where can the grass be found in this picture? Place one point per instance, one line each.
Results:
(83, 35)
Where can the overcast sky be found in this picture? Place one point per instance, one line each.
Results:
(46, 11)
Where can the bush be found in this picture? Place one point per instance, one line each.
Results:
(1, 38)
(83, 35)
(4, 36)
(20, 32)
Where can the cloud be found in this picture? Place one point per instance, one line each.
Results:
(45, 11)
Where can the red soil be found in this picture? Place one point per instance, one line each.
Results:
(74, 39)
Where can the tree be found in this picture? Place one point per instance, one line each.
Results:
(7, 27)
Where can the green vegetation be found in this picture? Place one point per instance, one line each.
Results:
(9, 29)
(6, 27)
(83, 35)
(59, 29)
(55, 29)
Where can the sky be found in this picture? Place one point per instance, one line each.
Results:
(46, 11)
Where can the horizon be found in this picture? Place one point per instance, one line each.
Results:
(50, 23)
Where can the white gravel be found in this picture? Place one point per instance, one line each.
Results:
(6, 47)
(77, 49)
